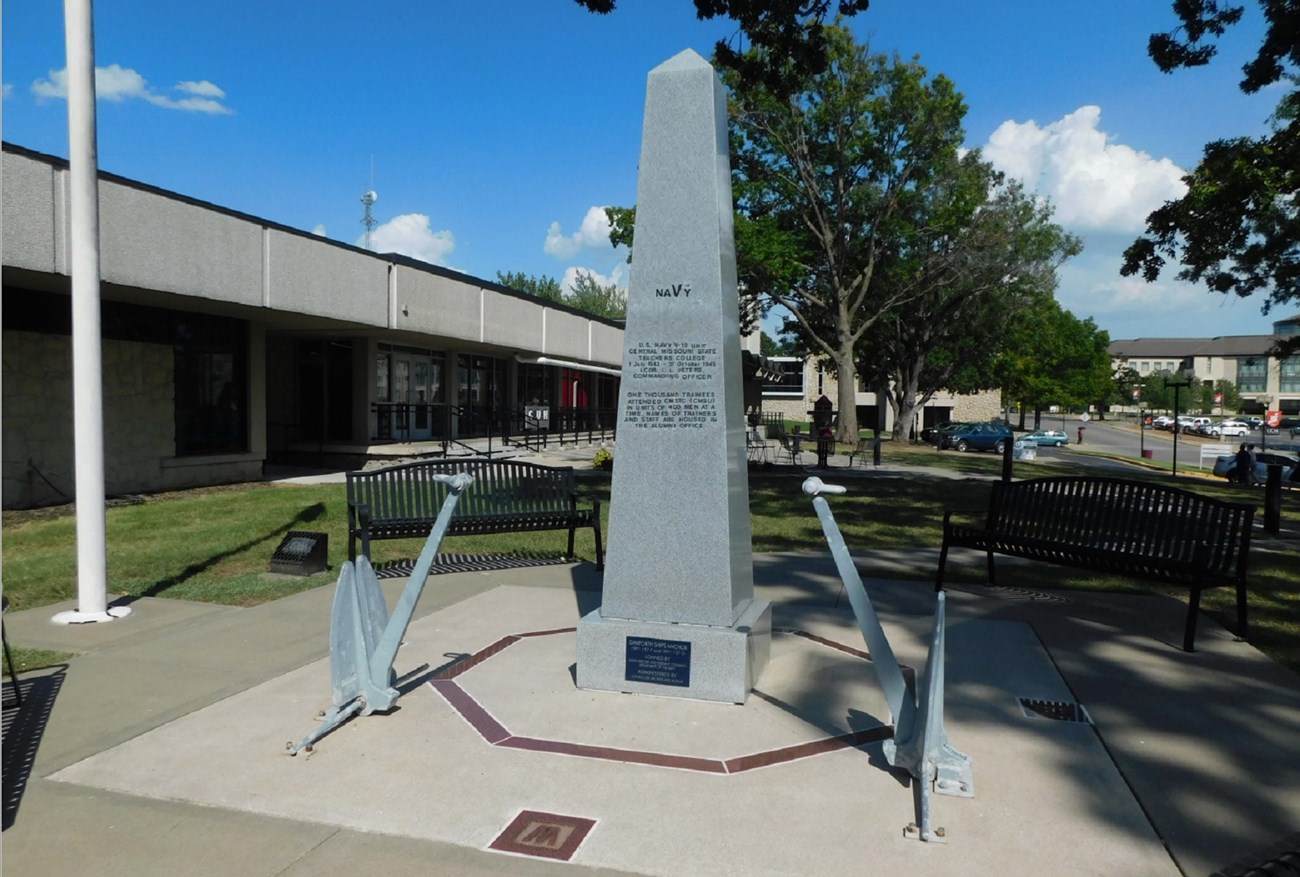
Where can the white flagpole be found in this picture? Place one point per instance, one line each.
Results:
(87, 365)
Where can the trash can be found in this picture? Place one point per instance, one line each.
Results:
(1024, 451)
(1147, 453)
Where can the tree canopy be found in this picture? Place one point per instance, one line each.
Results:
(588, 294)
(830, 182)
(897, 255)
(1238, 227)
(594, 297)
(792, 33)
(1055, 358)
(976, 270)
(545, 288)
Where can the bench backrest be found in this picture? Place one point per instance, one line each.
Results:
(1132, 517)
(407, 492)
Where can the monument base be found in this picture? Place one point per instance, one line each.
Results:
(694, 661)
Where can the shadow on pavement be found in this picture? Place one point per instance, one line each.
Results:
(23, 728)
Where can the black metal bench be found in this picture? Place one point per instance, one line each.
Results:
(402, 502)
(1112, 525)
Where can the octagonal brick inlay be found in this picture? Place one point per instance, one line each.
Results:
(497, 734)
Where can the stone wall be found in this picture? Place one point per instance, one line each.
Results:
(38, 436)
(978, 407)
(139, 424)
(971, 409)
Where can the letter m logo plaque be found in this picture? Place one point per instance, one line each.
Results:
(546, 835)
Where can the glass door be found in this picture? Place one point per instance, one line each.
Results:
(401, 390)
(420, 399)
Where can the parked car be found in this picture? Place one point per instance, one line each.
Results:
(1229, 429)
(930, 435)
(1198, 425)
(978, 437)
(1226, 465)
(1163, 422)
(1252, 422)
(1053, 437)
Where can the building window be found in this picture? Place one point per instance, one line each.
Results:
(790, 382)
(382, 366)
(533, 387)
(210, 355)
(1290, 375)
(1252, 374)
(209, 359)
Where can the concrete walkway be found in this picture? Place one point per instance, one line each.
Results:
(160, 749)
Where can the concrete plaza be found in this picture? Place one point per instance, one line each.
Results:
(160, 749)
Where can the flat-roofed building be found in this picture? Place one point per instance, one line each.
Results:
(230, 341)
(1264, 382)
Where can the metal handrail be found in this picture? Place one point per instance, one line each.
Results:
(508, 425)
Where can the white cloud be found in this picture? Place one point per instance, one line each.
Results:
(1093, 182)
(319, 230)
(116, 83)
(1103, 191)
(1129, 307)
(8, 90)
(592, 234)
(54, 87)
(202, 88)
(194, 105)
(410, 235)
(616, 277)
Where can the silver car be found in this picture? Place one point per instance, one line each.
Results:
(1052, 437)
(1226, 466)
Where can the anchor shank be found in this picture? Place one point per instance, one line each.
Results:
(381, 661)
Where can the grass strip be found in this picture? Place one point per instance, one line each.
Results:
(215, 544)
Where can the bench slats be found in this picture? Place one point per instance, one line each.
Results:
(1118, 526)
(403, 501)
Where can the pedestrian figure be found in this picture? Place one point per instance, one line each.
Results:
(1080, 435)
(1242, 464)
(1250, 468)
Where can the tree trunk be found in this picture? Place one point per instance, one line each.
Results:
(846, 373)
(904, 396)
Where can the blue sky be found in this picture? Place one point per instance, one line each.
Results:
(494, 129)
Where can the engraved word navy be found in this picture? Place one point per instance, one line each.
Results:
(675, 291)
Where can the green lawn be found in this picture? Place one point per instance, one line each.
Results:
(215, 544)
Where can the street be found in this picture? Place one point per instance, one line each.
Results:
(1124, 439)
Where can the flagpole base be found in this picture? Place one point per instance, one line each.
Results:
(77, 617)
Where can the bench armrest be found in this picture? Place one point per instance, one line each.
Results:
(974, 514)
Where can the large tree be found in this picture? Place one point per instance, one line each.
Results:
(1238, 227)
(588, 293)
(989, 251)
(1054, 358)
(828, 180)
(792, 33)
(543, 287)
(594, 297)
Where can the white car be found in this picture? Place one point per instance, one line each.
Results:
(1230, 428)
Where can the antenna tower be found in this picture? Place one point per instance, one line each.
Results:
(368, 220)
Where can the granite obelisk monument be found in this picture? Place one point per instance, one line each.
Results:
(678, 615)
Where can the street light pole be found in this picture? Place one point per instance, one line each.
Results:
(1137, 397)
(1177, 385)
